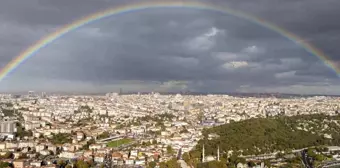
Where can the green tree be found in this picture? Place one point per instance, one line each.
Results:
(266, 135)
(152, 164)
(172, 163)
(61, 138)
(7, 155)
(319, 157)
(82, 164)
(162, 165)
(4, 164)
(61, 163)
(279, 155)
(21, 132)
(195, 154)
(251, 164)
(169, 149)
(87, 145)
(104, 135)
(310, 152)
(186, 157)
(267, 163)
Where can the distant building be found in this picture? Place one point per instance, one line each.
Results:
(80, 136)
(43, 95)
(19, 163)
(8, 127)
(112, 94)
(30, 93)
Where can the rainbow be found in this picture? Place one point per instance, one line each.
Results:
(29, 52)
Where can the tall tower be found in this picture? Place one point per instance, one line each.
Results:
(203, 154)
(30, 93)
(218, 153)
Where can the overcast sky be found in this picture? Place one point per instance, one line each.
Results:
(172, 49)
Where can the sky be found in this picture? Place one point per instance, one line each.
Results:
(171, 49)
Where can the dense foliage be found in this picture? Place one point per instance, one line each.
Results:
(172, 163)
(4, 164)
(8, 112)
(87, 145)
(103, 135)
(21, 132)
(266, 135)
(82, 164)
(214, 164)
(7, 155)
(61, 138)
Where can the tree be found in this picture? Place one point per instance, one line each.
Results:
(270, 134)
(172, 163)
(251, 164)
(61, 163)
(279, 155)
(82, 164)
(7, 155)
(319, 157)
(195, 154)
(152, 164)
(162, 165)
(310, 152)
(186, 157)
(267, 163)
(104, 135)
(21, 132)
(61, 138)
(241, 160)
(169, 149)
(4, 164)
(87, 145)
(90, 163)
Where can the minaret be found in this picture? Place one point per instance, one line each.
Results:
(203, 155)
(218, 153)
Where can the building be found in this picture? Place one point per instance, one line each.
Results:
(30, 93)
(80, 136)
(19, 163)
(8, 127)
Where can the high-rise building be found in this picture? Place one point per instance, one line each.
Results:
(43, 94)
(30, 93)
(8, 127)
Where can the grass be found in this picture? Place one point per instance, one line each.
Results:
(118, 143)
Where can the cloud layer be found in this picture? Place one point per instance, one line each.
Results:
(172, 49)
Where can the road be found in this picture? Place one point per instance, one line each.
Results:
(330, 164)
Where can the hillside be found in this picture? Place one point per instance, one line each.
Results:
(266, 135)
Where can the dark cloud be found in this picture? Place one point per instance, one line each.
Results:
(209, 50)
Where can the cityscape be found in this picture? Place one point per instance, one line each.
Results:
(169, 84)
(148, 130)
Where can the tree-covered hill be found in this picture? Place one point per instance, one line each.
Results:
(266, 135)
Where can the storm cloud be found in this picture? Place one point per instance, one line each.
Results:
(171, 49)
